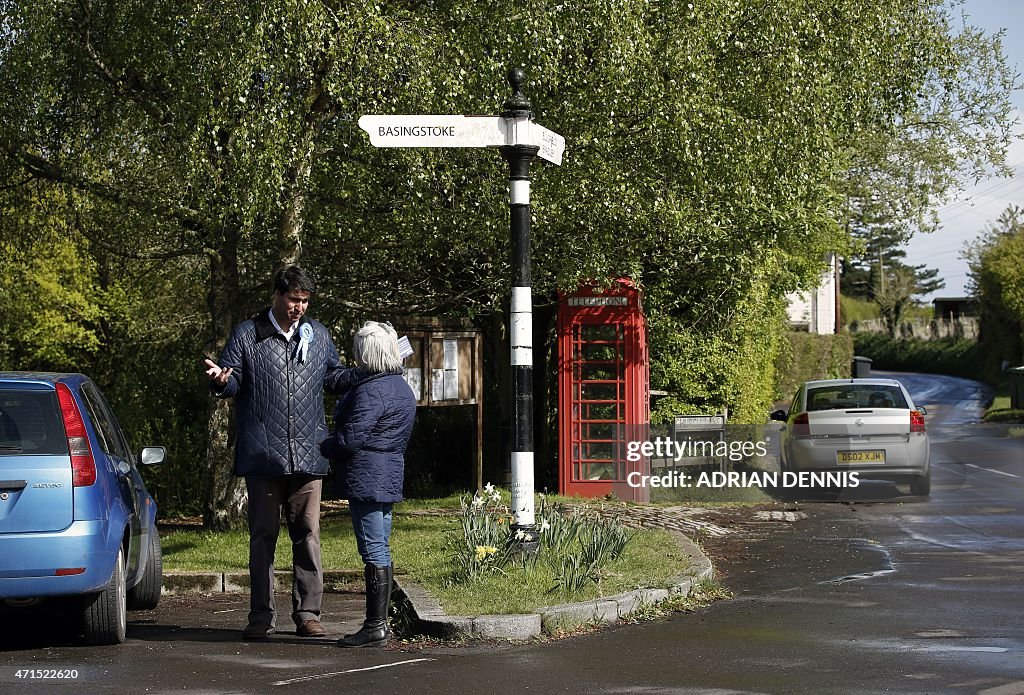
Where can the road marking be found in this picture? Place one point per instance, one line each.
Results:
(941, 633)
(992, 470)
(304, 679)
(1016, 688)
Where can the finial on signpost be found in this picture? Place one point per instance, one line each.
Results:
(518, 105)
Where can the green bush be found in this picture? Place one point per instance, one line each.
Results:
(807, 356)
(853, 309)
(731, 367)
(962, 358)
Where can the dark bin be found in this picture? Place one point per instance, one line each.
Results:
(861, 367)
(1016, 387)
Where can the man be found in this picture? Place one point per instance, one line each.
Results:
(276, 366)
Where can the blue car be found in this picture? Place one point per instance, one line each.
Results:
(76, 520)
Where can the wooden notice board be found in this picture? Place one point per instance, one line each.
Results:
(446, 369)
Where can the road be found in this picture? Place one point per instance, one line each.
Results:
(876, 592)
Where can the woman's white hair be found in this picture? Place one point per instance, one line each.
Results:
(375, 347)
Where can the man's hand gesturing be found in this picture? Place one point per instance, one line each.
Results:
(215, 374)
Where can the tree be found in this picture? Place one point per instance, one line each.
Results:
(709, 150)
(894, 295)
(865, 271)
(186, 132)
(996, 261)
(708, 154)
(954, 128)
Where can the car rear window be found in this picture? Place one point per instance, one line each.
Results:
(846, 396)
(30, 423)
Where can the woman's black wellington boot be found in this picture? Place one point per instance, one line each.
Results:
(374, 632)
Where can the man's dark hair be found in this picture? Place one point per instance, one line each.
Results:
(293, 277)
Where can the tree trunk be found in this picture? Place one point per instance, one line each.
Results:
(225, 500)
(294, 218)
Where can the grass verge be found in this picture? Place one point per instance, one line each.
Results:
(418, 542)
(1000, 410)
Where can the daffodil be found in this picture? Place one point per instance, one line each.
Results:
(483, 551)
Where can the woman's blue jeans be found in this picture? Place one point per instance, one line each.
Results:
(372, 524)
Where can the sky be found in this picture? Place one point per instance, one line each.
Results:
(965, 217)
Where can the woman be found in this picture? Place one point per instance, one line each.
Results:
(373, 422)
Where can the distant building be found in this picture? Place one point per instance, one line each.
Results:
(954, 307)
(817, 311)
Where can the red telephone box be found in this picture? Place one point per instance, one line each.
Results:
(603, 390)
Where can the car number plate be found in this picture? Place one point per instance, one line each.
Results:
(870, 456)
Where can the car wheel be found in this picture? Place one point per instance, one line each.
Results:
(922, 486)
(106, 613)
(146, 594)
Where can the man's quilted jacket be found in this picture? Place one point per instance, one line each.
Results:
(279, 403)
(373, 423)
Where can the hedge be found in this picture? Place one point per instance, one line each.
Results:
(807, 356)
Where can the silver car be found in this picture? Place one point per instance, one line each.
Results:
(867, 426)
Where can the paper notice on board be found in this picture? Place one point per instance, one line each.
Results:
(404, 347)
(414, 377)
(451, 370)
(451, 384)
(451, 354)
(437, 384)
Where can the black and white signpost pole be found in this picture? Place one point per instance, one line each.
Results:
(519, 157)
(520, 140)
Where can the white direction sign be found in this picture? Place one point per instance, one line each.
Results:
(434, 131)
(461, 131)
(551, 144)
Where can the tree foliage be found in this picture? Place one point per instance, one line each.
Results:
(716, 152)
(996, 262)
(877, 254)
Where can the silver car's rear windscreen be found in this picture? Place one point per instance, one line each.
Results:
(844, 396)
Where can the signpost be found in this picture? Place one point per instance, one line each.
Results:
(519, 140)
(461, 131)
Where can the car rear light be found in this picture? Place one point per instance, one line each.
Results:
(83, 466)
(69, 571)
(916, 421)
(801, 426)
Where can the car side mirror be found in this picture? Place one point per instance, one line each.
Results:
(152, 455)
(778, 415)
(921, 409)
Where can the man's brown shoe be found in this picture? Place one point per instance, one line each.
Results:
(311, 628)
(257, 631)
